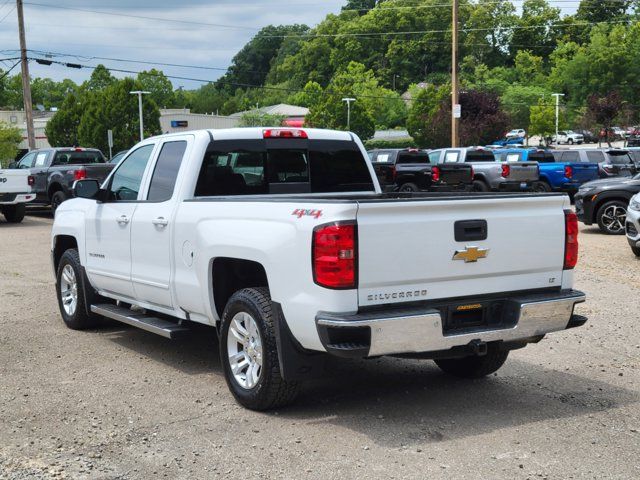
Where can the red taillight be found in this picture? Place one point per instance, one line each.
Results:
(570, 239)
(31, 180)
(506, 170)
(334, 255)
(394, 173)
(284, 133)
(435, 174)
(473, 174)
(80, 174)
(568, 171)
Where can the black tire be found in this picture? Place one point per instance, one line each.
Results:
(541, 187)
(636, 251)
(474, 366)
(479, 186)
(56, 199)
(603, 217)
(14, 213)
(409, 187)
(570, 141)
(271, 390)
(79, 319)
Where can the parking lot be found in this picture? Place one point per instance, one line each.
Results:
(121, 403)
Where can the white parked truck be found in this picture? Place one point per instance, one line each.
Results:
(16, 189)
(283, 241)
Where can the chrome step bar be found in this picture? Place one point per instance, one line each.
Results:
(143, 321)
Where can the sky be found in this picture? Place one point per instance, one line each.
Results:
(211, 33)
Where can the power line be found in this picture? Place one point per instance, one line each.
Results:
(9, 71)
(8, 13)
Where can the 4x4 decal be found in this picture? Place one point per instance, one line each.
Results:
(301, 212)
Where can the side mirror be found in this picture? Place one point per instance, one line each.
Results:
(86, 189)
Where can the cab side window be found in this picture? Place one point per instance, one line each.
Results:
(125, 183)
(27, 162)
(165, 173)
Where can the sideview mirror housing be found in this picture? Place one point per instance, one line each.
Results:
(89, 189)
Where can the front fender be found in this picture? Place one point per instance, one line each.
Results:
(70, 221)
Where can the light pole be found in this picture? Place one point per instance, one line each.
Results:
(557, 95)
(455, 87)
(394, 81)
(140, 93)
(348, 100)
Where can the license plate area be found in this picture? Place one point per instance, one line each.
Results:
(478, 316)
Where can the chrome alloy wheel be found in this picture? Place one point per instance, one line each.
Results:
(244, 347)
(614, 218)
(69, 290)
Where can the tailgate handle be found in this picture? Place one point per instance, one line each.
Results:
(470, 230)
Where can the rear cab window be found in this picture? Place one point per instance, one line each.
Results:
(412, 157)
(542, 157)
(261, 167)
(77, 157)
(480, 156)
(619, 158)
(595, 157)
(570, 156)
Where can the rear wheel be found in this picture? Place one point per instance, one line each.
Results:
(14, 213)
(56, 200)
(570, 141)
(611, 217)
(475, 367)
(249, 352)
(541, 187)
(479, 186)
(409, 187)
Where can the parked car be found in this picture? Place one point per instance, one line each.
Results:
(635, 154)
(410, 170)
(558, 175)
(567, 136)
(55, 170)
(507, 142)
(633, 224)
(587, 136)
(611, 162)
(633, 139)
(619, 133)
(488, 173)
(605, 203)
(118, 156)
(516, 133)
(287, 265)
(15, 191)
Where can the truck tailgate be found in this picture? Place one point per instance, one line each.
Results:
(523, 171)
(455, 174)
(14, 181)
(584, 172)
(406, 249)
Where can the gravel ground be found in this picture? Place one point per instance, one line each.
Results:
(118, 403)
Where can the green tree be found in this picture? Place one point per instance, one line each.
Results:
(425, 105)
(517, 101)
(332, 113)
(543, 120)
(62, 129)
(10, 138)
(156, 82)
(534, 28)
(208, 99)
(116, 109)
(605, 110)
(489, 46)
(100, 79)
(259, 119)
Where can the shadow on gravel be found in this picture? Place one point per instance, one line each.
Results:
(398, 402)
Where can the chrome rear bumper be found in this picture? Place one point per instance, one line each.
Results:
(422, 331)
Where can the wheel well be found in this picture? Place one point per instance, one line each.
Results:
(62, 244)
(602, 201)
(233, 274)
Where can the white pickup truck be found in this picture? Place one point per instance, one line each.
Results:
(16, 187)
(283, 241)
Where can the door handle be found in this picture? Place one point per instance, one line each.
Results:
(123, 220)
(160, 222)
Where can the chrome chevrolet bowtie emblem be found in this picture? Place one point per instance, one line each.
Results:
(471, 254)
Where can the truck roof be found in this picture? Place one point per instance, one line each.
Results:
(257, 133)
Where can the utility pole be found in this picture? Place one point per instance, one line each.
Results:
(557, 95)
(455, 106)
(348, 100)
(140, 93)
(26, 85)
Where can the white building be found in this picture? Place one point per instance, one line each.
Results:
(17, 118)
(181, 120)
(293, 115)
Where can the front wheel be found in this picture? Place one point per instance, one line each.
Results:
(249, 353)
(479, 186)
(474, 366)
(612, 217)
(570, 141)
(14, 213)
(636, 251)
(70, 290)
